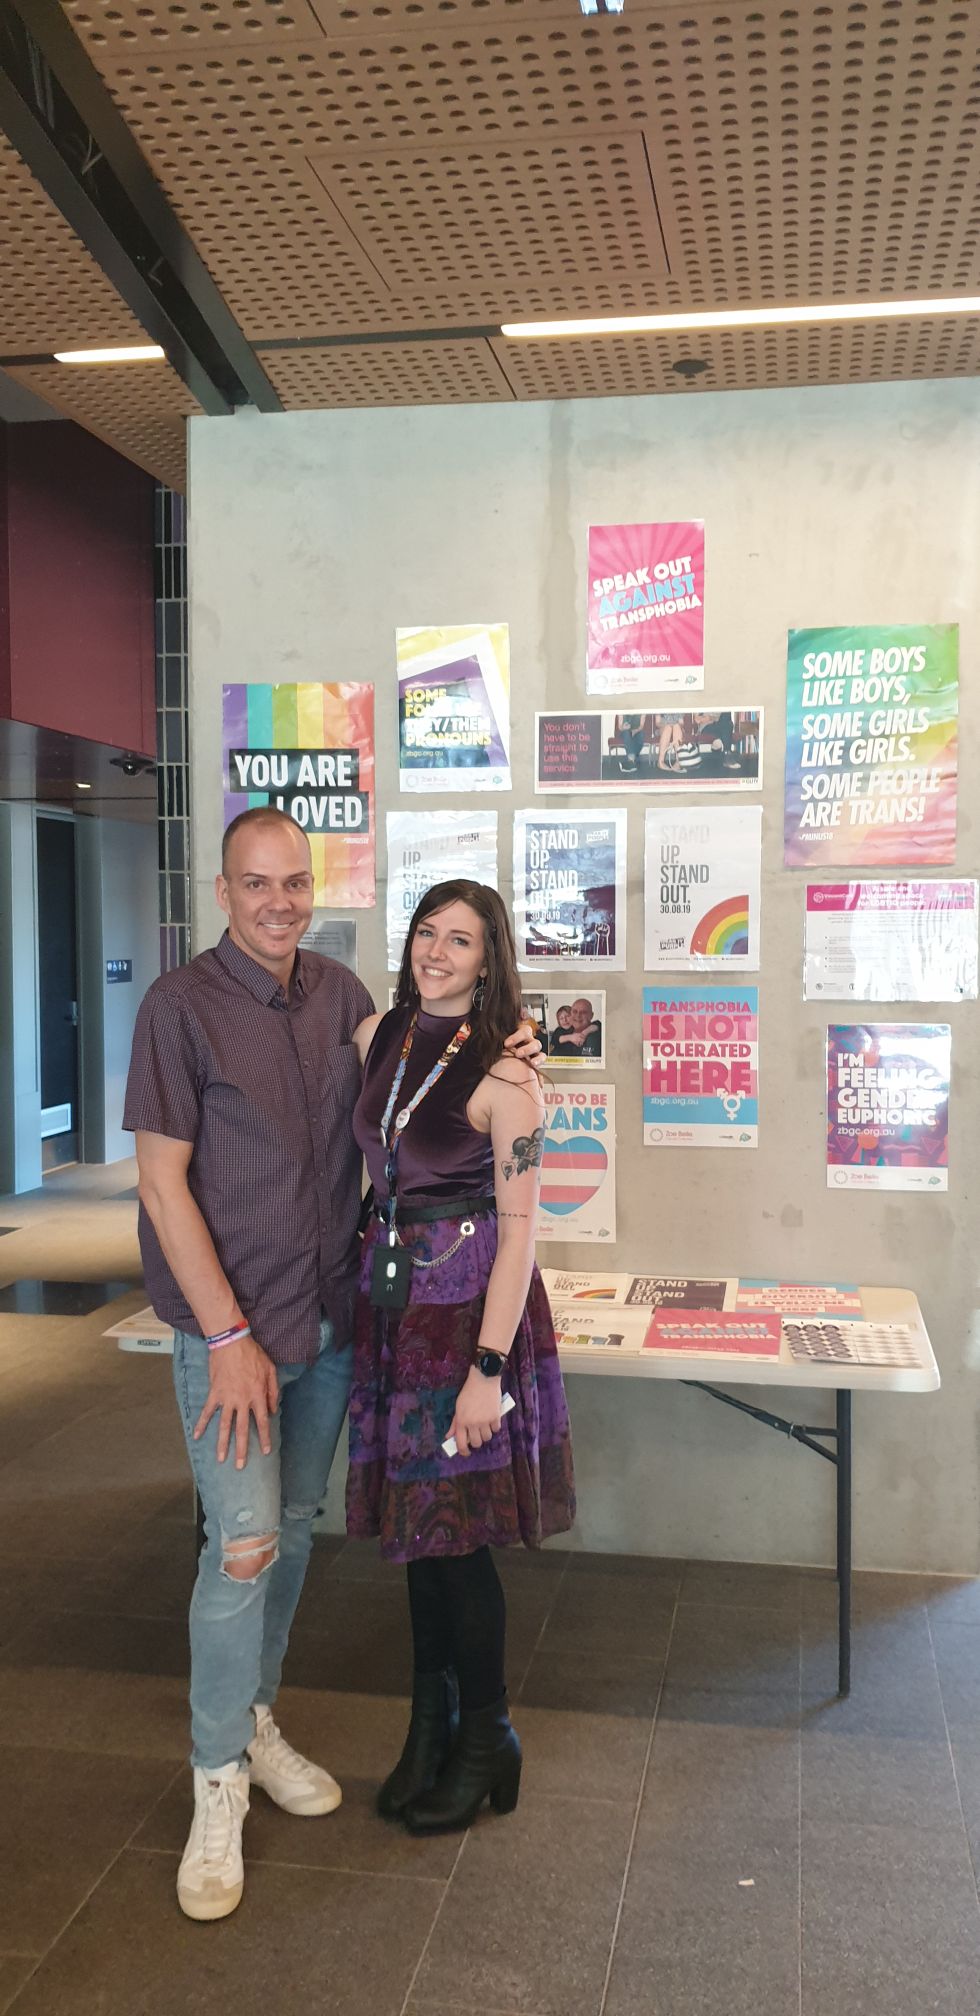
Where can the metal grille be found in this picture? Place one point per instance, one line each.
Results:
(170, 557)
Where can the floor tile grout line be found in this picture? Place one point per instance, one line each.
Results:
(952, 1760)
(89, 1894)
(636, 1816)
(304, 1868)
(560, 1581)
(440, 1907)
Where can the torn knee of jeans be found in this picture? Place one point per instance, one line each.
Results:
(249, 1556)
(301, 1513)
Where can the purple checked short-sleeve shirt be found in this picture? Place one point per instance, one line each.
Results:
(264, 1086)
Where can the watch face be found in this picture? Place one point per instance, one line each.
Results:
(490, 1363)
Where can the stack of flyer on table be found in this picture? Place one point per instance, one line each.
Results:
(632, 1314)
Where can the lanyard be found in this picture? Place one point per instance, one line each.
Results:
(391, 1134)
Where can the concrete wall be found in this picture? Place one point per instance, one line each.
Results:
(117, 897)
(313, 535)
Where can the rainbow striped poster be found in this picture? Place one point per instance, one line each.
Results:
(578, 1166)
(309, 749)
(702, 876)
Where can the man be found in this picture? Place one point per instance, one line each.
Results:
(241, 1090)
(582, 1036)
(241, 1093)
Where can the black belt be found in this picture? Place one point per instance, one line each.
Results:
(426, 1214)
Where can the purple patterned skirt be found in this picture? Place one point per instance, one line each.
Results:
(408, 1369)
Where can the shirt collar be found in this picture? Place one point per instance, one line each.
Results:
(260, 983)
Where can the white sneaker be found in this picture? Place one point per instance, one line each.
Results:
(291, 1780)
(211, 1876)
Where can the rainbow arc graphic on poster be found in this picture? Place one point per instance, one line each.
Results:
(723, 933)
(309, 748)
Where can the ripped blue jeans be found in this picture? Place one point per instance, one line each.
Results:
(240, 1628)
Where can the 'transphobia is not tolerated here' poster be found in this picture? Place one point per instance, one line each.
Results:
(702, 874)
(454, 708)
(701, 1067)
(570, 889)
(888, 1106)
(871, 718)
(426, 847)
(309, 750)
(646, 608)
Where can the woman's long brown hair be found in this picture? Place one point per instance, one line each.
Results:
(501, 1010)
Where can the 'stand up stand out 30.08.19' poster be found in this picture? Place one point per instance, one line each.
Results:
(888, 1106)
(702, 874)
(871, 746)
(309, 750)
(701, 1067)
(570, 889)
(646, 608)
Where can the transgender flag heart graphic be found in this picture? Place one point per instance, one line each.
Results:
(573, 1167)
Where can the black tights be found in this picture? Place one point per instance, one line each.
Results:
(459, 1619)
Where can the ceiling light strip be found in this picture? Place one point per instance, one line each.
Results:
(743, 318)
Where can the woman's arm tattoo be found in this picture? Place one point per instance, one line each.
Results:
(526, 1153)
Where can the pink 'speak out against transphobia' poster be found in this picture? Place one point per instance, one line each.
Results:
(646, 608)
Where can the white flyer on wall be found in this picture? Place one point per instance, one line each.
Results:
(570, 889)
(702, 882)
(578, 1164)
(429, 847)
(891, 941)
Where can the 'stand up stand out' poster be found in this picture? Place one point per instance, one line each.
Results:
(888, 1106)
(309, 750)
(700, 1067)
(871, 746)
(646, 608)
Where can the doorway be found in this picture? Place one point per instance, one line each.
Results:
(57, 989)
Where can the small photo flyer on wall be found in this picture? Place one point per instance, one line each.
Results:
(646, 608)
(711, 750)
(701, 1067)
(426, 847)
(333, 938)
(570, 889)
(890, 941)
(578, 1165)
(309, 750)
(871, 722)
(888, 1106)
(701, 889)
(454, 708)
(570, 1027)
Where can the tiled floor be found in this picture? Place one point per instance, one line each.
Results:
(704, 1830)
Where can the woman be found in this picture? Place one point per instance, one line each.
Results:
(452, 1317)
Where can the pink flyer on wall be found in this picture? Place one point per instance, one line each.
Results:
(888, 1106)
(646, 608)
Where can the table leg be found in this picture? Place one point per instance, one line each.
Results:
(843, 1542)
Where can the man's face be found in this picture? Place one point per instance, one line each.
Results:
(268, 893)
(581, 1014)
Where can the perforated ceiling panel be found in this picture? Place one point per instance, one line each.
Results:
(387, 374)
(138, 409)
(52, 293)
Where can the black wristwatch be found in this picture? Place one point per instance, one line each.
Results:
(490, 1363)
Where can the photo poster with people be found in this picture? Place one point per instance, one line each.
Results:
(570, 889)
(715, 749)
(578, 1163)
(454, 708)
(309, 750)
(429, 847)
(701, 1067)
(890, 941)
(645, 608)
(888, 1106)
(570, 1027)
(871, 721)
(702, 889)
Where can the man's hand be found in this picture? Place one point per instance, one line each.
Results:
(477, 1415)
(523, 1044)
(243, 1383)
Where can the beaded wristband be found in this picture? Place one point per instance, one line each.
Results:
(231, 1336)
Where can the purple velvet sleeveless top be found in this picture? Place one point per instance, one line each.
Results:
(441, 1155)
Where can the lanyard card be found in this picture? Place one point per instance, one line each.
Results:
(391, 1277)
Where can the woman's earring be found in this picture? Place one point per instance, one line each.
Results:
(479, 991)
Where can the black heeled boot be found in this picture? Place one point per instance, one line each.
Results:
(485, 1763)
(435, 1715)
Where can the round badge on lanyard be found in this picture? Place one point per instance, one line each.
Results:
(401, 1120)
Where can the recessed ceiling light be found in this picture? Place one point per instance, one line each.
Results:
(79, 786)
(146, 353)
(745, 318)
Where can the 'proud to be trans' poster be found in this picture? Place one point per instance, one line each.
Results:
(702, 872)
(646, 608)
(871, 746)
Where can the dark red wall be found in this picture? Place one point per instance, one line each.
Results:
(79, 547)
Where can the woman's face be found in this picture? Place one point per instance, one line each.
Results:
(563, 1018)
(447, 958)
